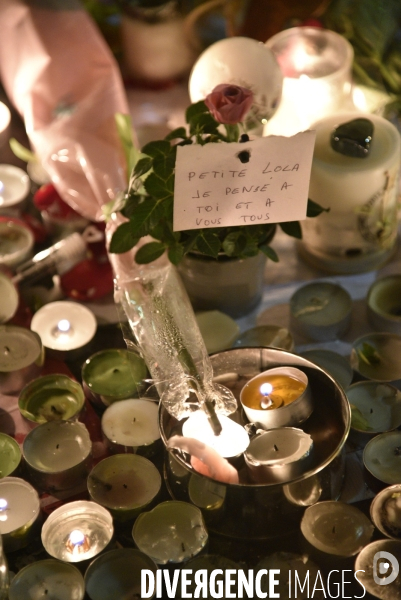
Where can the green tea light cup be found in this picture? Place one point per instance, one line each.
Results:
(10, 455)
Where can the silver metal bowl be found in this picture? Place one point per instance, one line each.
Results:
(265, 511)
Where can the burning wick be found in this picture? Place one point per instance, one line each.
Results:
(266, 389)
(3, 509)
(77, 542)
(63, 327)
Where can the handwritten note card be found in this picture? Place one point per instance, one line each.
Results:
(215, 185)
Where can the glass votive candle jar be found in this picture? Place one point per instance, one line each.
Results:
(125, 484)
(132, 426)
(360, 230)
(335, 531)
(51, 398)
(117, 574)
(50, 579)
(19, 511)
(382, 459)
(113, 374)
(21, 357)
(77, 531)
(377, 356)
(378, 570)
(16, 242)
(173, 532)
(321, 311)
(375, 408)
(10, 455)
(385, 511)
(278, 397)
(279, 455)
(384, 304)
(58, 455)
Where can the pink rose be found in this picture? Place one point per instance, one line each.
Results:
(229, 103)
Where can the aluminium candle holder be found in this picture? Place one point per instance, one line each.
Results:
(267, 511)
(50, 579)
(385, 511)
(21, 357)
(384, 304)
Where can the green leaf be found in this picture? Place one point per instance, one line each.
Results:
(157, 149)
(194, 110)
(149, 252)
(21, 152)
(163, 166)
(159, 188)
(314, 209)
(203, 123)
(140, 219)
(179, 133)
(270, 253)
(176, 254)
(368, 354)
(143, 166)
(234, 243)
(208, 243)
(358, 421)
(122, 239)
(292, 228)
(124, 130)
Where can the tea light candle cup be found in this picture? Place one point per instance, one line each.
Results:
(117, 574)
(16, 242)
(171, 533)
(125, 484)
(385, 511)
(21, 357)
(377, 356)
(10, 455)
(113, 374)
(279, 455)
(58, 455)
(278, 397)
(375, 408)
(321, 311)
(384, 304)
(377, 569)
(230, 443)
(382, 459)
(5, 120)
(9, 298)
(272, 336)
(19, 512)
(219, 331)
(132, 426)
(66, 328)
(77, 531)
(335, 532)
(335, 364)
(14, 189)
(50, 579)
(51, 398)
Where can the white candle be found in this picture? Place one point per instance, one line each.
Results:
(9, 298)
(14, 188)
(384, 304)
(279, 455)
(5, 120)
(232, 441)
(77, 531)
(19, 509)
(385, 511)
(173, 532)
(382, 457)
(219, 331)
(50, 579)
(375, 407)
(336, 528)
(64, 326)
(132, 425)
(21, 357)
(58, 455)
(377, 356)
(16, 242)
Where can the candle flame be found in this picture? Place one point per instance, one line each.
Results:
(77, 542)
(3, 509)
(266, 389)
(64, 326)
(77, 538)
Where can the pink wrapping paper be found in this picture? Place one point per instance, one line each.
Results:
(62, 78)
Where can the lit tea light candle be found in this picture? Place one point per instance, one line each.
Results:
(19, 510)
(232, 441)
(113, 374)
(50, 579)
(71, 333)
(125, 484)
(384, 304)
(173, 532)
(385, 511)
(132, 426)
(77, 531)
(321, 310)
(117, 574)
(58, 455)
(21, 357)
(379, 575)
(9, 298)
(279, 455)
(14, 189)
(51, 398)
(16, 242)
(335, 529)
(279, 397)
(10, 456)
(382, 457)
(377, 356)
